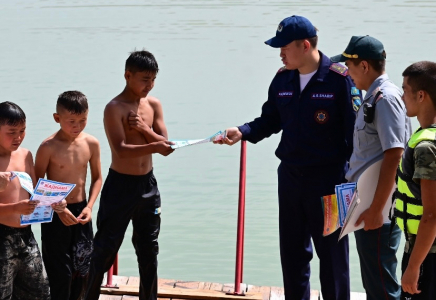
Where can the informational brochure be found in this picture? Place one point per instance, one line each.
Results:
(336, 206)
(331, 214)
(365, 190)
(183, 143)
(46, 192)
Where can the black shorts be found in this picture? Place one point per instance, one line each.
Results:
(21, 269)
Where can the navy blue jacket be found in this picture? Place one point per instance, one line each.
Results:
(317, 124)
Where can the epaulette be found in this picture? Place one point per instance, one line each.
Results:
(338, 68)
(282, 69)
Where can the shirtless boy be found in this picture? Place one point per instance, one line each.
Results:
(135, 129)
(64, 157)
(21, 270)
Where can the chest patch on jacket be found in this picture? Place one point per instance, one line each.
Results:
(322, 96)
(321, 116)
(285, 94)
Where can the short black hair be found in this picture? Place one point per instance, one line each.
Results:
(421, 76)
(313, 40)
(140, 61)
(379, 65)
(74, 102)
(11, 114)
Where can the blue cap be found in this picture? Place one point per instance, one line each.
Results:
(291, 29)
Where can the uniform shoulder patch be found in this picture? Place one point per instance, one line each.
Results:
(340, 69)
(282, 69)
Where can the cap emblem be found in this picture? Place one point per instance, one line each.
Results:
(350, 55)
(280, 28)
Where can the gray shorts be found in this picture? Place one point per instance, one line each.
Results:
(22, 276)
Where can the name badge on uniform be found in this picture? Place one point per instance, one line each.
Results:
(322, 96)
(285, 94)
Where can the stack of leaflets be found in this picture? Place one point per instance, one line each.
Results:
(336, 206)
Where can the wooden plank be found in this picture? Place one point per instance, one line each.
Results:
(205, 285)
(110, 297)
(358, 296)
(216, 287)
(186, 285)
(264, 290)
(183, 293)
(230, 287)
(117, 281)
(165, 284)
(277, 293)
(132, 281)
(315, 295)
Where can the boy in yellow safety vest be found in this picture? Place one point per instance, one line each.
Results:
(416, 192)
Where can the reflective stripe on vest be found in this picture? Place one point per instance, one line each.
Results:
(408, 206)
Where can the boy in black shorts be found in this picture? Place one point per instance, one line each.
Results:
(135, 128)
(22, 276)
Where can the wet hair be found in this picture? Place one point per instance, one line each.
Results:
(11, 114)
(72, 101)
(421, 76)
(140, 61)
(379, 65)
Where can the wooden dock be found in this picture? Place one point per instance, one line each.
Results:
(169, 289)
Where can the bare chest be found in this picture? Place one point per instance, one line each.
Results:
(72, 157)
(144, 112)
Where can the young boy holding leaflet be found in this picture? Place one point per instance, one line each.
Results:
(64, 157)
(22, 276)
(135, 129)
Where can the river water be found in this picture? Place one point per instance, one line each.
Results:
(214, 73)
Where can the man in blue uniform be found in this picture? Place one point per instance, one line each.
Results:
(313, 102)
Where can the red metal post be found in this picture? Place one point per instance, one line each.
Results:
(116, 265)
(112, 271)
(241, 222)
(109, 277)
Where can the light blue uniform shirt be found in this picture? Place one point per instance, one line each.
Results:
(391, 128)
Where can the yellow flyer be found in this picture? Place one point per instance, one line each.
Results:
(331, 214)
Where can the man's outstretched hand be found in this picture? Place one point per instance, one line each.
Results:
(233, 135)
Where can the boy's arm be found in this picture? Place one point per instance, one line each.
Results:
(23, 207)
(117, 138)
(424, 239)
(96, 182)
(41, 161)
(158, 132)
(158, 122)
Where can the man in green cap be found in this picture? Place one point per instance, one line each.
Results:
(381, 131)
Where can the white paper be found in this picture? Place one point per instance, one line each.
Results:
(366, 186)
(46, 192)
(183, 143)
